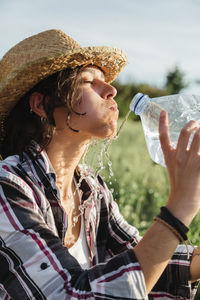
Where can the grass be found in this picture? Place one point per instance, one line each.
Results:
(140, 186)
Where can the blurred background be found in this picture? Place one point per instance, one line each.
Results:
(156, 35)
(162, 41)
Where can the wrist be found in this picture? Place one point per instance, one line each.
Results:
(181, 213)
(176, 225)
(178, 228)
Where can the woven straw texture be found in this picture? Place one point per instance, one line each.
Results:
(43, 54)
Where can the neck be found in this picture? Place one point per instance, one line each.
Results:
(65, 154)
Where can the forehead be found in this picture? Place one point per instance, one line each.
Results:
(93, 70)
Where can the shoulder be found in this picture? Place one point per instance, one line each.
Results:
(11, 177)
(9, 166)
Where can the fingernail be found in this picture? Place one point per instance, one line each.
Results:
(162, 114)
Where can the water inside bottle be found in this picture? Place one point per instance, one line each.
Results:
(154, 147)
(181, 109)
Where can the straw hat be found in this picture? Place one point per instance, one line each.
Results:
(45, 53)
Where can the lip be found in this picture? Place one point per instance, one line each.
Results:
(113, 108)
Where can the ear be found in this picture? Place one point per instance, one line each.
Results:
(36, 104)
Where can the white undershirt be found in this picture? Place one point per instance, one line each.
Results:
(80, 249)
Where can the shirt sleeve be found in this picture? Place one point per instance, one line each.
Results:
(35, 264)
(175, 280)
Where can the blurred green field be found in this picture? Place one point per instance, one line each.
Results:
(140, 186)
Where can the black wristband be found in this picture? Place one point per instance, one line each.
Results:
(167, 216)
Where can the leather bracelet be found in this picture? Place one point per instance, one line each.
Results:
(175, 233)
(175, 223)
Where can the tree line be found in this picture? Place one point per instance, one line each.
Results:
(174, 84)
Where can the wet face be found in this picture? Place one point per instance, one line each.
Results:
(94, 99)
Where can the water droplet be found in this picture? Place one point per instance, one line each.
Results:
(81, 208)
(75, 220)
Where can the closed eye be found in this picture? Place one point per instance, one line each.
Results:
(88, 81)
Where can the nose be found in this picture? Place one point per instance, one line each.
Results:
(109, 92)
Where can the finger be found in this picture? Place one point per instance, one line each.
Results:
(185, 134)
(163, 131)
(195, 145)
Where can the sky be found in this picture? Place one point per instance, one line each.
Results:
(157, 35)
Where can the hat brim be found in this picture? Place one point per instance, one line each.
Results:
(111, 60)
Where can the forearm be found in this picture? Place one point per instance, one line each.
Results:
(154, 252)
(159, 243)
(195, 265)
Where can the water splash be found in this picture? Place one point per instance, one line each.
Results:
(122, 124)
(106, 145)
(104, 155)
(89, 168)
(97, 157)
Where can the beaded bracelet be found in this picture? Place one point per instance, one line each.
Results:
(176, 234)
(170, 227)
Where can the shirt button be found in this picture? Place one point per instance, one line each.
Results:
(43, 266)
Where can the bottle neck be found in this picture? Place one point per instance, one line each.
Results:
(141, 104)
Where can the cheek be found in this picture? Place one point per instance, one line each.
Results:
(98, 121)
(94, 111)
(84, 106)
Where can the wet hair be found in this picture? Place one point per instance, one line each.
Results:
(22, 126)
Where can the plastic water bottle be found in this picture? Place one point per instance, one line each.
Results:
(181, 109)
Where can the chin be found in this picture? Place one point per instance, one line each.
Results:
(106, 131)
(104, 135)
(111, 134)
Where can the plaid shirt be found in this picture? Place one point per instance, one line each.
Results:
(35, 264)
